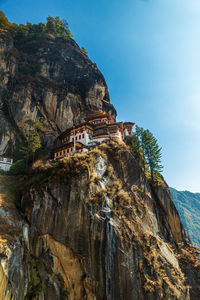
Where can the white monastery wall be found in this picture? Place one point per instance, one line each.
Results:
(126, 132)
(5, 163)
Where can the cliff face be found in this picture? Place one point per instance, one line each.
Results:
(50, 80)
(90, 226)
(94, 228)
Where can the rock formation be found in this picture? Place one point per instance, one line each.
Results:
(90, 226)
(67, 88)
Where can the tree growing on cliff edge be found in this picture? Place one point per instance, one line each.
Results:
(22, 33)
(33, 142)
(151, 151)
(84, 51)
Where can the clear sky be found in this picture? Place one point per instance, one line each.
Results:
(149, 53)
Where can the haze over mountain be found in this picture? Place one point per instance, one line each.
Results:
(188, 205)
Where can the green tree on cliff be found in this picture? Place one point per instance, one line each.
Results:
(22, 33)
(33, 142)
(4, 22)
(151, 151)
(84, 51)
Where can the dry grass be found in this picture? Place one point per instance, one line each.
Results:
(42, 165)
(124, 198)
(98, 196)
(109, 171)
(189, 254)
(135, 188)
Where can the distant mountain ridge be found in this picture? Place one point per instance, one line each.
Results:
(188, 205)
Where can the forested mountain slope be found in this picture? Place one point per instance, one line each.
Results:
(188, 205)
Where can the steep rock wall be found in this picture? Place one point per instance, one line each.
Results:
(98, 231)
(50, 80)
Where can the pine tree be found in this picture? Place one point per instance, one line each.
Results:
(137, 152)
(33, 142)
(4, 22)
(51, 25)
(151, 150)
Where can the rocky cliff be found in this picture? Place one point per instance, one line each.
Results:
(90, 226)
(47, 79)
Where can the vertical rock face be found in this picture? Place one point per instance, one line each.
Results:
(98, 230)
(13, 248)
(66, 87)
(91, 226)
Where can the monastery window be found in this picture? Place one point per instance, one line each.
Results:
(60, 153)
(83, 135)
(79, 137)
(76, 138)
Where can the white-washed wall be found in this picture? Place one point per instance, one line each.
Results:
(5, 163)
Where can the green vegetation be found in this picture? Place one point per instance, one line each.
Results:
(138, 154)
(84, 51)
(31, 150)
(22, 33)
(188, 205)
(150, 149)
(37, 68)
(33, 143)
(35, 285)
(24, 70)
(18, 167)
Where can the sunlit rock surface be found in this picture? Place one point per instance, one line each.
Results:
(68, 87)
(91, 226)
(98, 230)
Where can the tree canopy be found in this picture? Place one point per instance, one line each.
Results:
(33, 142)
(22, 32)
(151, 150)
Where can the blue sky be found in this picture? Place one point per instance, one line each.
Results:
(149, 53)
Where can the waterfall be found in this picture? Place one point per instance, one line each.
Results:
(109, 250)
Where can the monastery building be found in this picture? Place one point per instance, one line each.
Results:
(97, 128)
(5, 163)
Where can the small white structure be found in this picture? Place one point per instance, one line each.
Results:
(5, 163)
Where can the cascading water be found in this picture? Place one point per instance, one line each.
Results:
(109, 251)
